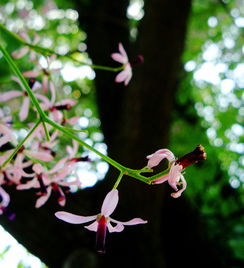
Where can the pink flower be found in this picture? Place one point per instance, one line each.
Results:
(24, 50)
(57, 108)
(102, 221)
(16, 171)
(46, 75)
(121, 57)
(24, 110)
(5, 199)
(6, 135)
(174, 177)
(48, 181)
(176, 167)
(158, 156)
(5, 119)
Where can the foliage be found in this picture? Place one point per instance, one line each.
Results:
(209, 109)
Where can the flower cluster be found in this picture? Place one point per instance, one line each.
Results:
(35, 163)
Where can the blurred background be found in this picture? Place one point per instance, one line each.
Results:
(188, 91)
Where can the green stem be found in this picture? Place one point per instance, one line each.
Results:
(46, 131)
(49, 52)
(20, 144)
(118, 180)
(121, 168)
(44, 118)
(81, 142)
(158, 175)
(22, 80)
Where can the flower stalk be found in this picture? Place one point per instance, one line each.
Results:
(18, 147)
(49, 52)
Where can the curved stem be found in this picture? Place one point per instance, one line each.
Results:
(118, 180)
(45, 119)
(21, 144)
(81, 142)
(48, 52)
(46, 131)
(17, 72)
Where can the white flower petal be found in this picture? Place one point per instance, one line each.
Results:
(110, 202)
(73, 218)
(92, 227)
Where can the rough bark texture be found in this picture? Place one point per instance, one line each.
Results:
(135, 121)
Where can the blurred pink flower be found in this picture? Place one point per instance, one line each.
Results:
(45, 73)
(55, 109)
(24, 110)
(102, 221)
(121, 57)
(6, 135)
(48, 180)
(24, 50)
(5, 199)
(15, 171)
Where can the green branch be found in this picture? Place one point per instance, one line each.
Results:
(45, 119)
(49, 52)
(20, 144)
(17, 72)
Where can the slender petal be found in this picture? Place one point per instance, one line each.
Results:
(73, 120)
(53, 92)
(24, 110)
(43, 199)
(184, 184)
(10, 95)
(72, 218)
(45, 83)
(31, 184)
(110, 202)
(92, 227)
(61, 198)
(119, 58)
(4, 140)
(44, 99)
(5, 197)
(60, 164)
(134, 221)
(118, 228)
(158, 156)
(20, 53)
(72, 150)
(16, 79)
(161, 179)
(121, 76)
(122, 51)
(45, 157)
(129, 75)
(5, 156)
(31, 74)
(174, 176)
(37, 85)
